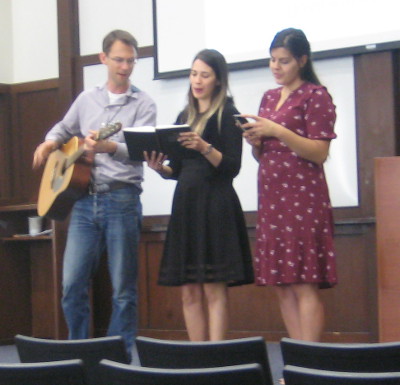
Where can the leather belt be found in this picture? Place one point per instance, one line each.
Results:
(106, 187)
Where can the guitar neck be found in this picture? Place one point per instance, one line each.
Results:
(104, 133)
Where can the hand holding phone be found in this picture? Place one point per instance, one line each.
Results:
(239, 121)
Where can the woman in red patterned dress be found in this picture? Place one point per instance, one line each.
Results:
(290, 139)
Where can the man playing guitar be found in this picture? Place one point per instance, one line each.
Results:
(109, 215)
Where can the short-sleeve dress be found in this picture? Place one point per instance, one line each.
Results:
(295, 222)
(207, 236)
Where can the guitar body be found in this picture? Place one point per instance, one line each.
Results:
(66, 175)
(61, 186)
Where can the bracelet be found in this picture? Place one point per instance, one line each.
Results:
(209, 149)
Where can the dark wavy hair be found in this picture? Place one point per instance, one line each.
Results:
(295, 41)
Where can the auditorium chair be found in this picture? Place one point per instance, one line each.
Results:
(90, 351)
(295, 375)
(69, 372)
(157, 353)
(347, 357)
(122, 374)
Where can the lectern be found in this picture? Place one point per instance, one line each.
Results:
(387, 210)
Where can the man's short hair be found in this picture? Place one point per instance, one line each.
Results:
(121, 35)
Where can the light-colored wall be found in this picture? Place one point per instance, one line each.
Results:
(6, 46)
(29, 40)
(98, 17)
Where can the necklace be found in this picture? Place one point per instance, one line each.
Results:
(118, 105)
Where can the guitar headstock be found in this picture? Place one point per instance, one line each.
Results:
(108, 130)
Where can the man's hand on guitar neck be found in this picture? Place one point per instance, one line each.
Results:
(42, 152)
(95, 145)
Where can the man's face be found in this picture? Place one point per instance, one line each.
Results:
(120, 62)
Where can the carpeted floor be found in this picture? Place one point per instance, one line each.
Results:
(9, 354)
(275, 360)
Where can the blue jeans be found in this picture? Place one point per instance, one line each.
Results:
(111, 220)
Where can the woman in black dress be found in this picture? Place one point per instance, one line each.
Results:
(206, 248)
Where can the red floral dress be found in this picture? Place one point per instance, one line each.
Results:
(295, 222)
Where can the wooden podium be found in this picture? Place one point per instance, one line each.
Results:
(387, 205)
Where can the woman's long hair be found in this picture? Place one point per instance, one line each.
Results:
(295, 41)
(217, 62)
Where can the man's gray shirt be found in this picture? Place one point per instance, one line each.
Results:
(92, 110)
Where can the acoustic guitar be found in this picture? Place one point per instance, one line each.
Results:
(66, 176)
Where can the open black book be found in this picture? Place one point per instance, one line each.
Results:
(160, 138)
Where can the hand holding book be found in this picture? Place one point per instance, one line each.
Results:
(161, 139)
(190, 140)
(193, 141)
(155, 160)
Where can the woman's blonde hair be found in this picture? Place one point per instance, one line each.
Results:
(217, 62)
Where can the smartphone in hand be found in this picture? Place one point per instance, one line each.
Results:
(239, 121)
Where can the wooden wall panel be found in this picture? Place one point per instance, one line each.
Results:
(30, 276)
(35, 110)
(376, 79)
(5, 152)
(15, 286)
(27, 111)
(42, 289)
(387, 187)
(376, 118)
(350, 306)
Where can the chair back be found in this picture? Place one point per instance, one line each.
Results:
(156, 353)
(44, 373)
(347, 357)
(122, 374)
(295, 375)
(90, 351)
